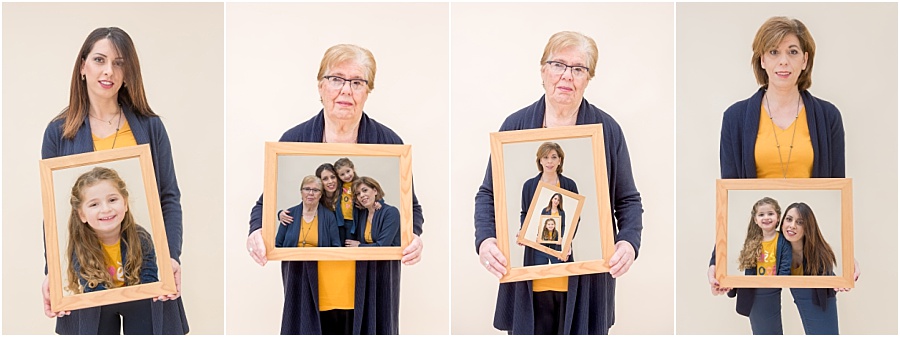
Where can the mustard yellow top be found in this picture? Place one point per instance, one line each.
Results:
(555, 283)
(797, 271)
(337, 284)
(765, 265)
(309, 232)
(768, 164)
(125, 138)
(368, 234)
(347, 201)
(113, 256)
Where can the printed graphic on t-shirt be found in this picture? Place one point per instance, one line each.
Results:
(117, 273)
(765, 264)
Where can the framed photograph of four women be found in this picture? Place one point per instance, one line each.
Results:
(360, 196)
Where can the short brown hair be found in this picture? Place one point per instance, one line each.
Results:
(341, 53)
(770, 34)
(563, 40)
(544, 149)
(371, 183)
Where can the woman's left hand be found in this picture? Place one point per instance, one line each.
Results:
(413, 253)
(176, 268)
(856, 273)
(622, 259)
(351, 243)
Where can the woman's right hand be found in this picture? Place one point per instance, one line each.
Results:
(256, 247)
(714, 283)
(45, 290)
(285, 218)
(491, 258)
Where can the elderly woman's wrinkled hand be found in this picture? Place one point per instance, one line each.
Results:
(256, 247)
(491, 258)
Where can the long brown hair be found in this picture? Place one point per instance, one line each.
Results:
(818, 258)
(753, 242)
(328, 202)
(546, 234)
(84, 246)
(549, 207)
(131, 94)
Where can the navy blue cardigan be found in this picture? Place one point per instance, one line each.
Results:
(385, 226)
(289, 235)
(375, 311)
(149, 270)
(168, 316)
(737, 159)
(590, 304)
(783, 261)
(528, 190)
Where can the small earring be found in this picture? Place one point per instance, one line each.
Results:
(82, 77)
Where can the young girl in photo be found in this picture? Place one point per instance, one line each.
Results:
(812, 255)
(550, 233)
(765, 253)
(109, 250)
(347, 174)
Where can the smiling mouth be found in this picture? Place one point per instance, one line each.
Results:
(106, 84)
(108, 218)
(783, 73)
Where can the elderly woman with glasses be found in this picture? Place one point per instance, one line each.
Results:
(581, 304)
(341, 297)
(317, 226)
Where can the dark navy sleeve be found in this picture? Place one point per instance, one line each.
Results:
(256, 211)
(149, 268)
(485, 226)
(626, 199)
(784, 263)
(169, 194)
(279, 237)
(389, 229)
(836, 132)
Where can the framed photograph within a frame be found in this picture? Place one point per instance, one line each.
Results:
(823, 207)
(288, 163)
(58, 176)
(552, 233)
(516, 169)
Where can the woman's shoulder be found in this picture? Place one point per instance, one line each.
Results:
(382, 133)
(821, 105)
(738, 109)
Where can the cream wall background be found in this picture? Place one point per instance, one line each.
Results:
(856, 69)
(273, 55)
(495, 55)
(180, 48)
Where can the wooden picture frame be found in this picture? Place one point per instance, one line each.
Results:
(505, 200)
(565, 238)
(545, 222)
(398, 159)
(62, 172)
(764, 187)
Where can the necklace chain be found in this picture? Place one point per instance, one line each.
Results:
(784, 166)
(118, 126)
(308, 229)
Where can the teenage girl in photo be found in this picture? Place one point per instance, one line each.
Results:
(109, 250)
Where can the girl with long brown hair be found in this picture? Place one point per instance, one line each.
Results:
(108, 249)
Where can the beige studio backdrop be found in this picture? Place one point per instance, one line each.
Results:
(180, 47)
(856, 70)
(273, 54)
(495, 52)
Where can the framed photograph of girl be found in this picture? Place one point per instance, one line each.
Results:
(570, 183)
(325, 201)
(103, 229)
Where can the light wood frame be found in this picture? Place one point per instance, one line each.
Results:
(845, 280)
(542, 225)
(595, 133)
(166, 284)
(270, 221)
(570, 231)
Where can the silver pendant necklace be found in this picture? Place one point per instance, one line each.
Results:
(784, 166)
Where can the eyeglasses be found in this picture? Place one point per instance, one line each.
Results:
(558, 68)
(337, 82)
(310, 190)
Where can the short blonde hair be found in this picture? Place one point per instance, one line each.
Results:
(311, 179)
(563, 40)
(347, 52)
(770, 34)
(544, 149)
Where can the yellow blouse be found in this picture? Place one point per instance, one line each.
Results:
(368, 234)
(113, 256)
(125, 138)
(797, 163)
(309, 232)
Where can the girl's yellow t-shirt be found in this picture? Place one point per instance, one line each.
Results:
(113, 256)
(347, 201)
(765, 264)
